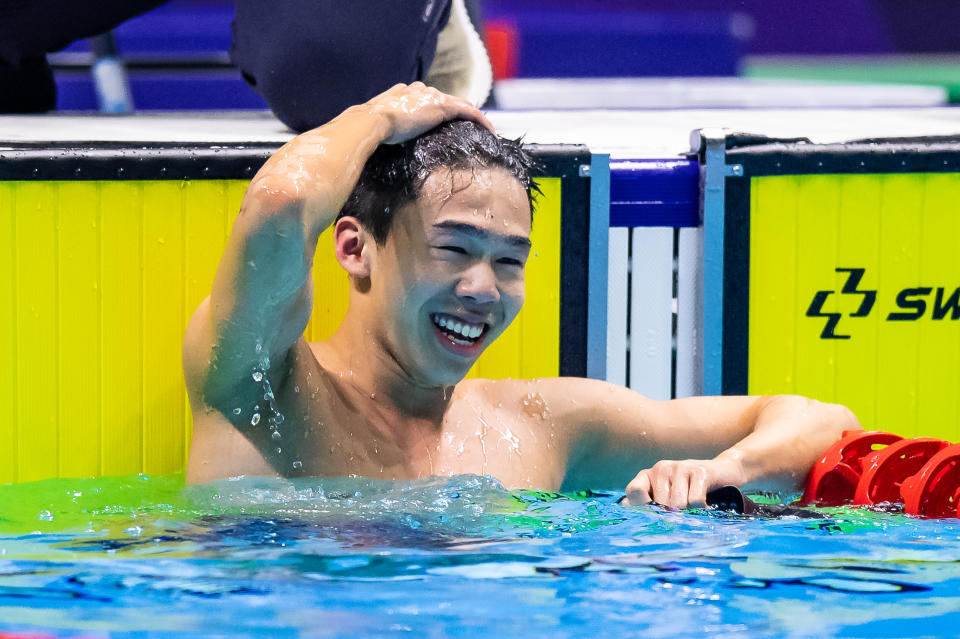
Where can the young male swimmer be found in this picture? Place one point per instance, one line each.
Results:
(434, 242)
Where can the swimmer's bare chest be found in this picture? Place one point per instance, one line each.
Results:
(331, 428)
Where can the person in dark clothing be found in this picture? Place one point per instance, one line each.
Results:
(30, 29)
(309, 60)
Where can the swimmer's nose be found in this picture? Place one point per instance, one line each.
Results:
(479, 284)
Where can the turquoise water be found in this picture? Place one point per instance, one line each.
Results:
(453, 557)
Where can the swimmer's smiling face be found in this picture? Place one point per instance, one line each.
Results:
(450, 277)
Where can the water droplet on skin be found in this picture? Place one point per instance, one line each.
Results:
(279, 450)
(257, 376)
(373, 395)
(296, 389)
(259, 347)
(297, 465)
(237, 411)
(331, 449)
(255, 419)
(276, 435)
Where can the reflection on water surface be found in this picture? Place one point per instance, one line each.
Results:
(452, 556)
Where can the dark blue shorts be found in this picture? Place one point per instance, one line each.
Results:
(311, 59)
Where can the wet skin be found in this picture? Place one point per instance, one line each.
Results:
(385, 397)
(381, 397)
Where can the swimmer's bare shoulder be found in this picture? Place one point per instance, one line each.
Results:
(540, 432)
(602, 434)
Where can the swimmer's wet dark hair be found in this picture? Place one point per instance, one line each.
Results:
(395, 173)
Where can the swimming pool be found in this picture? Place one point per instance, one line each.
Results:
(145, 556)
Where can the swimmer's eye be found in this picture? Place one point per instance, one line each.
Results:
(509, 261)
(455, 249)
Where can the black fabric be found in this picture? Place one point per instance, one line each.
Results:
(29, 29)
(28, 87)
(32, 28)
(311, 59)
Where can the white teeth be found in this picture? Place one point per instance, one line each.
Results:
(455, 326)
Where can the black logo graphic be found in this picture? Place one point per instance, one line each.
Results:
(911, 303)
(849, 288)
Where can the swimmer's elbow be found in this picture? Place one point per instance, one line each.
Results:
(822, 419)
(291, 198)
(842, 418)
(270, 197)
(831, 419)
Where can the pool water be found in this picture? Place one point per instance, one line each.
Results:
(453, 557)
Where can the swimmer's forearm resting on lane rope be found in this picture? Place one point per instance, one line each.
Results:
(687, 447)
(778, 439)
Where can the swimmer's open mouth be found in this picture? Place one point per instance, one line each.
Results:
(459, 331)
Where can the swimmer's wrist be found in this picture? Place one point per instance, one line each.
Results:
(738, 461)
(375, 120)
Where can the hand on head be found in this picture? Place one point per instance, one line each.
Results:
(415, 108)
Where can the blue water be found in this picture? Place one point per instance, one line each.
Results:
(453, 557)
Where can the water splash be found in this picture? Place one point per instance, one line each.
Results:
(273, 417)
(143, 555)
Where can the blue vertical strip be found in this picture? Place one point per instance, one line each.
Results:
(599, 229)
(714, 182)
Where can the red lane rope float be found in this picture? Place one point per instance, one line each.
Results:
(885, 470)
(833, 480)
(935, 490)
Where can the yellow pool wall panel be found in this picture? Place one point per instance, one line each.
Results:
(101, 279)
(903, 231)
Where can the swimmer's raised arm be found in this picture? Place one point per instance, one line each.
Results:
(686, 447)
(262, 292)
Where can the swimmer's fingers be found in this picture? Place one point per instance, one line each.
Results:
(662, 484)
(413, 109)
(459, 108)
(683, 484)
(638, 491)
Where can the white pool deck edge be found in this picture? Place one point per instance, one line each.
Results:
(650, 133)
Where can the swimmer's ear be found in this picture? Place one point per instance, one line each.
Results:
(351, 243)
